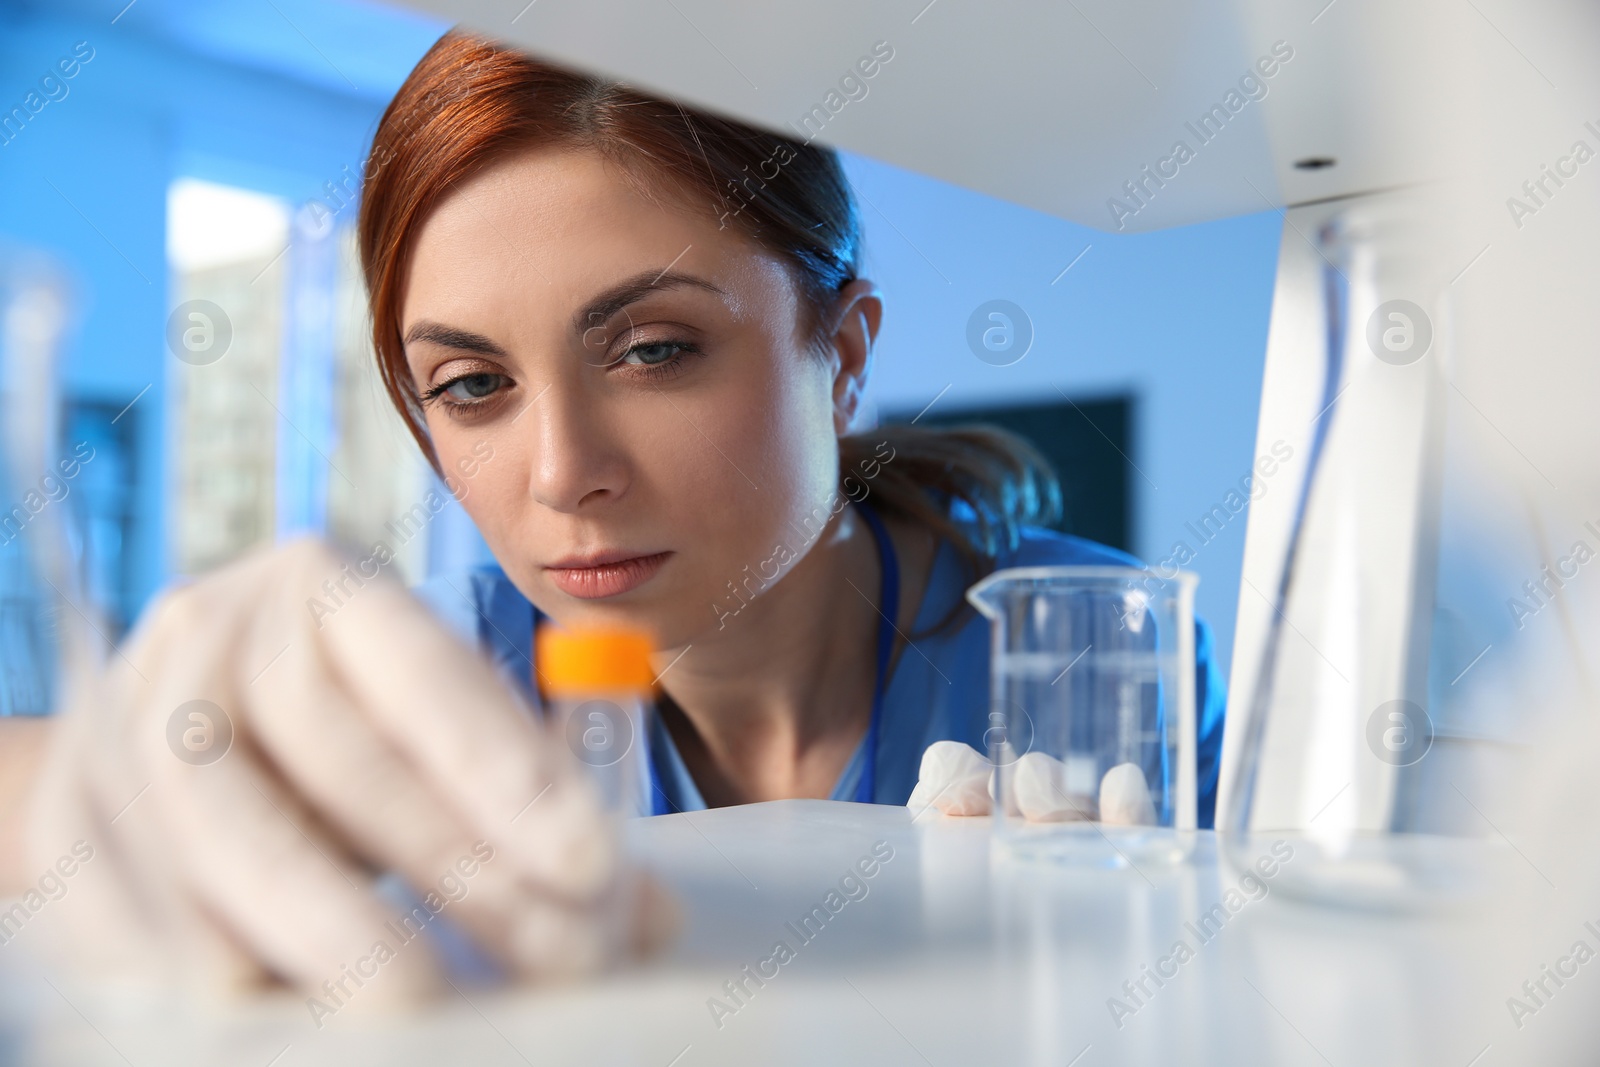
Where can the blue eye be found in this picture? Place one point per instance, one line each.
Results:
(474, 386)
(652, 354)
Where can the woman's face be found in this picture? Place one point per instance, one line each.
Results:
(620, 393)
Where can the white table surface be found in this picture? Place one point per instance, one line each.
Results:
(953, 957)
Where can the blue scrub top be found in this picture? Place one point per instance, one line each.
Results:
(921, 704)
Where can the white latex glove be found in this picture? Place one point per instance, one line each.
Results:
(373, 742)
(953, 779)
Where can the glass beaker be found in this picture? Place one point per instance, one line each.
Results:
(1092, 712)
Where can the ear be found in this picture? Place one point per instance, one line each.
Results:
(858, 313)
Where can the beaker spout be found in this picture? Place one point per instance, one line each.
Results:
(988, 594)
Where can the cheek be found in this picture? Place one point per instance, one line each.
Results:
(778, 434)
(495, 492)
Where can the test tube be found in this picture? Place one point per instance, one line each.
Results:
(596, 684)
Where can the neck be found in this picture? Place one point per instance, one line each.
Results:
(773, 704)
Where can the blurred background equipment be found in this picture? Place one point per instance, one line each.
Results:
(35, 311)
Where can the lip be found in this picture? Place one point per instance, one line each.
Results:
(604, 574)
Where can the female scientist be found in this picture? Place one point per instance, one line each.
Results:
(634, 339)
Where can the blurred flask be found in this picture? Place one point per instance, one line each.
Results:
(1340, 751)
(597, 684)
(37, 543)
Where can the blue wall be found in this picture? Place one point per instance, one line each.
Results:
(1178, 318)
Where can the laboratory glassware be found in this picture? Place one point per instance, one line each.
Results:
(597, 684)
(1092, 714)
(40, 611)
(1345, 750)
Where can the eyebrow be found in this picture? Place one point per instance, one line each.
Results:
(450, 337)
(596, 311)
(619, 296)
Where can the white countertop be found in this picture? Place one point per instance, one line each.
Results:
(950, 957)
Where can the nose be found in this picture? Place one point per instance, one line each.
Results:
(577, 462)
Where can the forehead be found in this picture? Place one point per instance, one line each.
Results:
(551, 226)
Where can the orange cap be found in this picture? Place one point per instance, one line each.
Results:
(575, 662)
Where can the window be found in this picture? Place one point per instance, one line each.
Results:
(280, 425)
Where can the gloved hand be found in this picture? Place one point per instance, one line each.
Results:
(244, 771)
